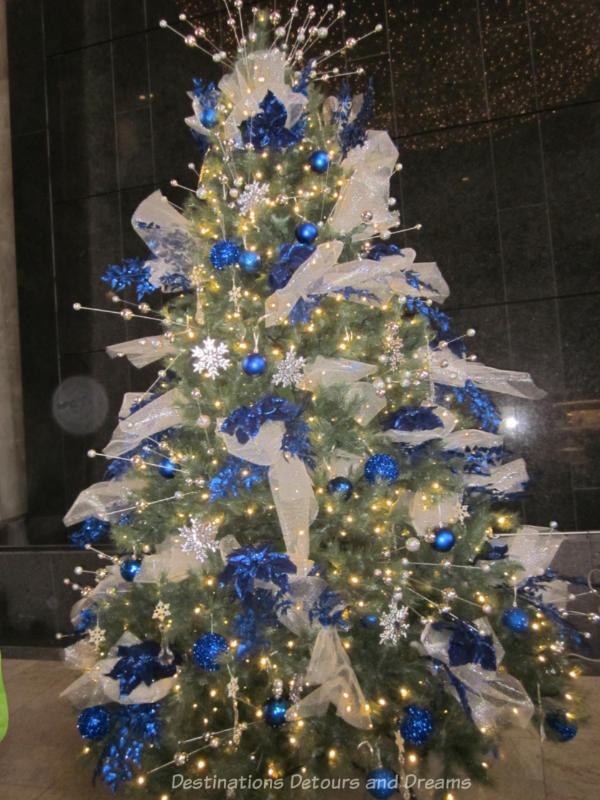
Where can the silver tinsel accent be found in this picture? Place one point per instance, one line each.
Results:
(198, 538)
(290, 371)
(210, 357)
(393, 346)
(253, 194)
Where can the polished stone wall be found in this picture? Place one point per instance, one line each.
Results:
(494, 106)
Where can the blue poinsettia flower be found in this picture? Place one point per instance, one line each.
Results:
(139, 663)
(260, 563)
(267, 129)
(133, 272)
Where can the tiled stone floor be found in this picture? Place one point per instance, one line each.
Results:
(38, 757)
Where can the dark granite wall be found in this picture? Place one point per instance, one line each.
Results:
(494, 105)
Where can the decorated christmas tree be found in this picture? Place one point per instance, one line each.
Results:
(320, 580)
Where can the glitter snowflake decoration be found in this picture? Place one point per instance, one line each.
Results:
(198, 538)
(393, 346)
(253, 194)
(162, 612)
(235, 295)
(393, 623)
(463, 512)
(96, 636)
(233, 687)
(290, 371)
(210, 358)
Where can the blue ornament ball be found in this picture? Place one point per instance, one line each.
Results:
(254, 364)
(444, 540)
(224, 254)
(416, 726)
(306, 232)
(382, 466)
(207, 648)
(319, 161)
(249, 262)
(93, 723)
(515, 619)
(340, 485)
(166, 468)
(368, 620)
(382, 782)
(274, 711)
(130, 568)
(208, 117)
(559, 726)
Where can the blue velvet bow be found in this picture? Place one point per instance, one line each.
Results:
(133, 726)
(260, 563)
(291, 256)
(411, 418)
(267, 128)
(139, 663)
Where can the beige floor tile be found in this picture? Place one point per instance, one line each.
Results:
(12, 791)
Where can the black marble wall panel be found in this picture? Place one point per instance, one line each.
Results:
(494, 106)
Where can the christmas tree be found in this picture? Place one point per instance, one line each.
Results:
(320, 580)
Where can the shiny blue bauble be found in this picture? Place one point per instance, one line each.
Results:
(515, 619)
(319, 161)
(340, 485)
(416, 726)
(274, 711)
(559, 726)
(444, 540)
(382, 466)
(208, 117)
(368, 620)
(207, 648)
(130, 568)
(93, 723)
(306, 232)
(249, 262)
(224, 254)
(166, 468)
(382, 782)
(254, 364)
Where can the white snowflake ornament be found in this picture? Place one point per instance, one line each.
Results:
(198, 538)
(210, 358)
(96, 636)
(290, 371)
(162, 612)
(393, 622)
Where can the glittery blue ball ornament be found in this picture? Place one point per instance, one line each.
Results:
(130, 568)
(93, 723)
(382, 782)
(416, 726)
(249, 262)
(368, 620)
(319, 161)
(444, 540)
(515, 619)
(206, 649)
(208, 117)
(340, 485)
(559, 726)
(306, 232)
(166, 468)
(224, 254)
(382, 466)
(274, 711)
(254, 364)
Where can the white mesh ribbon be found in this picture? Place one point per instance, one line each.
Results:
(169, 562)
(534, 548)
(493, 697)
(302, 283)
(141, 352)
(163, 412)
(330, 668)
(250, 81)
(95, 687)
(290, 483)
(433, 512)
(449, 369)
(368, 188)
(100, 499)
(502, 480)
(165, 232)
(336, 371)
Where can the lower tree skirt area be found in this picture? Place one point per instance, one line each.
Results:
(38, 756)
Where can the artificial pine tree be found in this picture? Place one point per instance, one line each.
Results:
(308, 504)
